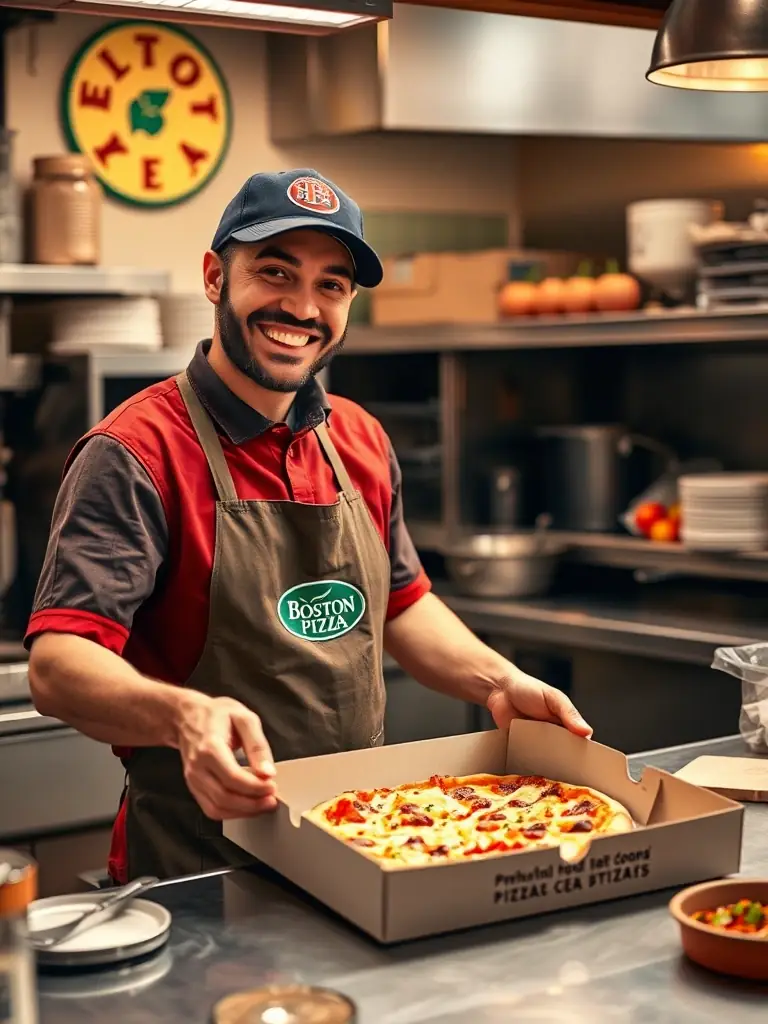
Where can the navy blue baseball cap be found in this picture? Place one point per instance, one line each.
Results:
(269, 204)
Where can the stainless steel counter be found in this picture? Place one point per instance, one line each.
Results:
(602, 625)
(615, 963)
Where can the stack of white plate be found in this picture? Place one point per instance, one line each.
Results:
(105, 325)
(724, 511)
(186, 320)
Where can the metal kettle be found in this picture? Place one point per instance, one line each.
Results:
(582, 473)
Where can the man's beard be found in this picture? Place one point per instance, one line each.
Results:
(235, 344)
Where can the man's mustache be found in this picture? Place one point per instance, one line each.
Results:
(279, 316)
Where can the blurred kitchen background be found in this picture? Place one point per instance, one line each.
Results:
(569, 349)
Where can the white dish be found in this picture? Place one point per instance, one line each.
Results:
(140, 929)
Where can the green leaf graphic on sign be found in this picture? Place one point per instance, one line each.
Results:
(146, 111)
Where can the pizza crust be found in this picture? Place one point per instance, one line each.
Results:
(406, 841)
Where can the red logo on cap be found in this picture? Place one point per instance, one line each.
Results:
(313, 194)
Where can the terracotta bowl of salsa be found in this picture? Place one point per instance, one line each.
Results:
(724, 926)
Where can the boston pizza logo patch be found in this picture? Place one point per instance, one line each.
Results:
(148, 105)
(313, 195)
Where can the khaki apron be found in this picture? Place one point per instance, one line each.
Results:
(317, 688)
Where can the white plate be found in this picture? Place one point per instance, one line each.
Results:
(140, 929)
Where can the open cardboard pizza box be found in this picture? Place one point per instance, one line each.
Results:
(685, 834)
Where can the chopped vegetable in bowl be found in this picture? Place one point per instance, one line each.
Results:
(745, 917)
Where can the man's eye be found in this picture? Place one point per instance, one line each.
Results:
(274, 271)
(333, 286)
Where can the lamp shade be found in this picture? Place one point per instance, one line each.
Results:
(714, 45)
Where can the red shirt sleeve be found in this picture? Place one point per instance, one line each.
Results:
(403, 598)
(88, 625)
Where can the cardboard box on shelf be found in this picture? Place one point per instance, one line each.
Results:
(455, 287)
(685, 834)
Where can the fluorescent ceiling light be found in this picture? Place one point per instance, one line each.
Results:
(243, 9)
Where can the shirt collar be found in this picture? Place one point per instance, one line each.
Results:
(237, 420)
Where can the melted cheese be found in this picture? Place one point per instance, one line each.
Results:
(453, 828)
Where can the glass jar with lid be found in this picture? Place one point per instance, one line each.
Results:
(18, 888)
(66, 211)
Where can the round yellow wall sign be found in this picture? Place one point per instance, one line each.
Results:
(147, 103)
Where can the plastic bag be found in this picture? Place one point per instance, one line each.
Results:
(750, 665)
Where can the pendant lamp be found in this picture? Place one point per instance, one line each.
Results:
(713, 45)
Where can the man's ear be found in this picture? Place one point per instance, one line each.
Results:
(213, 276)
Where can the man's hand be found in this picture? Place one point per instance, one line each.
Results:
(521, 696)
(210, 731)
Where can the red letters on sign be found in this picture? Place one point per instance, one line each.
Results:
(147, 42)
(117, 70)
(149, 170)
(185, 71)
(194, 156)
(209, 107)
(112, 147)
(92, 96)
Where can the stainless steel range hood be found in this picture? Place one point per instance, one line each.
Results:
(444, 70)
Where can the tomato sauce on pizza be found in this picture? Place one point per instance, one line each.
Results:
(449, 818)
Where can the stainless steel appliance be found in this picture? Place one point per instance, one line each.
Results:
(585, 474)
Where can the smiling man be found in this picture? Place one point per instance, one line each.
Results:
(228, 558)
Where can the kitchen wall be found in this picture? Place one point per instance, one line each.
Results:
(413, 173)
(573, 192)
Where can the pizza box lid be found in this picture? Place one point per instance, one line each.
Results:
(738, 778)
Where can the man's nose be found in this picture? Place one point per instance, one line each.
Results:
(301, 303)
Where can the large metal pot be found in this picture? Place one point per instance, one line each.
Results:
(503, 565)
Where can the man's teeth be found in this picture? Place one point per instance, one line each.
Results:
(285, 338)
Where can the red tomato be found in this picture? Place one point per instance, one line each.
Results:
(647, 514)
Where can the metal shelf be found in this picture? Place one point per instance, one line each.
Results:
(625, 552)
(577, 622)
(32, 279)
(667, 327)
(165, 362)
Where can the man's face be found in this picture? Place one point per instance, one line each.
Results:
(282, 306)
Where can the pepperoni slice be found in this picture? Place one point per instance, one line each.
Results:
(535, 831)
(439, 851)
(362, 842)
(482, 804)
(495, 816)
(419, 820)
(554, 790)
(463, 793)
(524, 780)
(582, 807)
(580, 826)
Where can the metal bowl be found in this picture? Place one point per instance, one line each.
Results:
(503, 565)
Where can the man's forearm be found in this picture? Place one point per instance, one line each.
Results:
(434, 646)
(101, 695)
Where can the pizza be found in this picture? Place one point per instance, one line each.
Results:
(449, 818)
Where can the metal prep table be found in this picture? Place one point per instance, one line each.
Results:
(613, 963)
